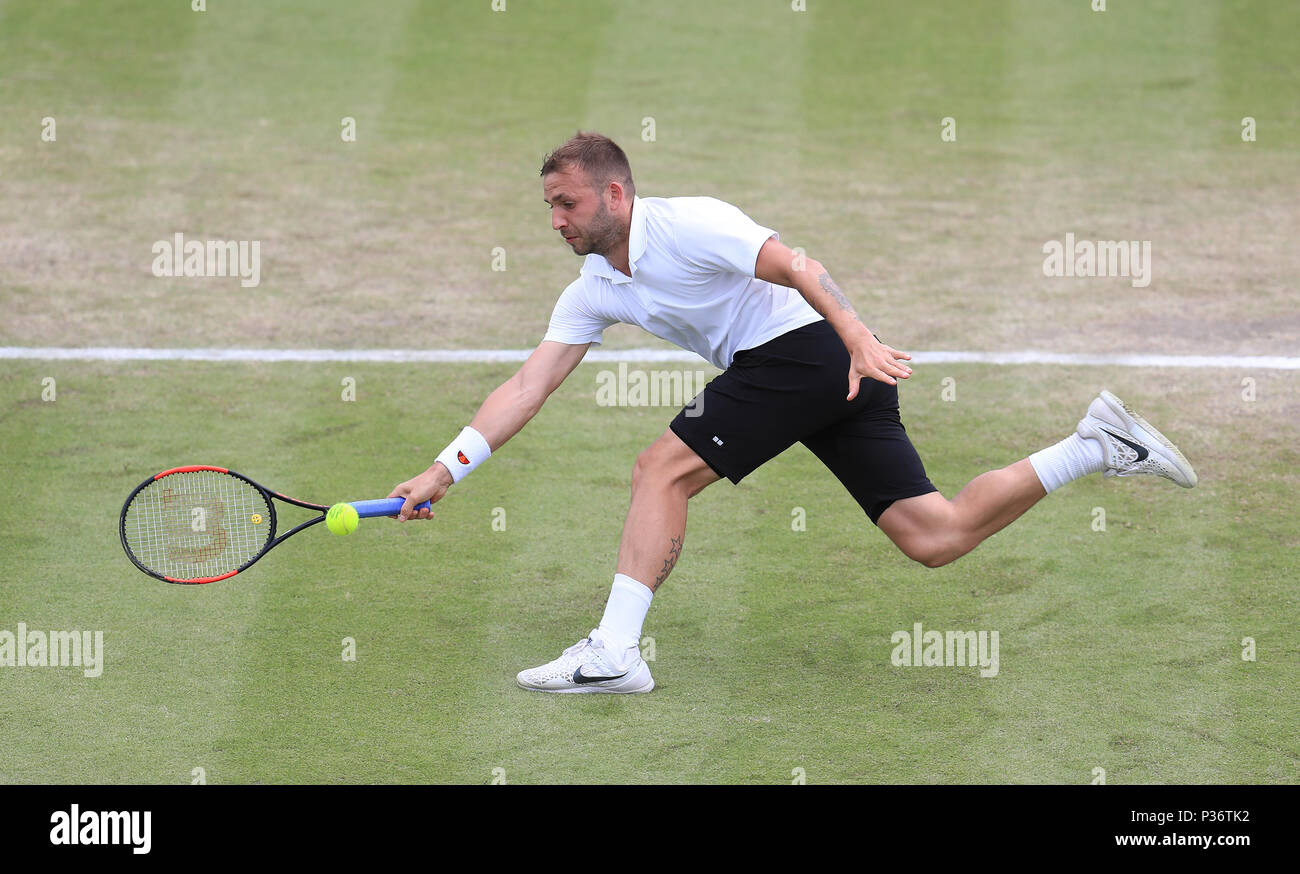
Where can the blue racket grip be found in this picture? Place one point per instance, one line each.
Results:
(382, 507)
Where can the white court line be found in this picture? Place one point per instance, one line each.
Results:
(487, 356)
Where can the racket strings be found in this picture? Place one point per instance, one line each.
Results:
(197, 524)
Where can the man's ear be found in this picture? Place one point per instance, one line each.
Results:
(616, 194)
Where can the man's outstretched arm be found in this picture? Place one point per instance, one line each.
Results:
(779, 264)
(503, 415)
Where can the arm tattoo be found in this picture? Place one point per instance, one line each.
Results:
(828, 285)
(674, 552)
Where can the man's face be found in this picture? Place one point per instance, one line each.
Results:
(579, 213)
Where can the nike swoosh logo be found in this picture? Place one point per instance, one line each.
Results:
(1141, 450)
(580, 678)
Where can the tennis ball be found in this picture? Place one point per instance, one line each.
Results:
(341, 519)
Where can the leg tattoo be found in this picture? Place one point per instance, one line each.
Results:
(674, 552)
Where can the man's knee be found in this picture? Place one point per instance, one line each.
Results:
(670, 462)
(643, 466)
(654, 463)
(932, 550)
(930, 555)
(925, 530)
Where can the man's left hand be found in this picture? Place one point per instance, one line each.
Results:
(871, 358)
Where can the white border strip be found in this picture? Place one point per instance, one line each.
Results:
(488, 356)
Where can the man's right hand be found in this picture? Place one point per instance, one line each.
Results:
(429, 486)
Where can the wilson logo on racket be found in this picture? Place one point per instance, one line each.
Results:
(460, 456)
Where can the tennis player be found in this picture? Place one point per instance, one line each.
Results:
(798, 365)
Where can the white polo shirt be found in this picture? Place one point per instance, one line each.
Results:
(692, 284)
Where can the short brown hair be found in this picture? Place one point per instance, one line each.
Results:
(596, 155)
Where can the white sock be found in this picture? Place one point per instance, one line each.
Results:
(625, 612)
(1068, 460)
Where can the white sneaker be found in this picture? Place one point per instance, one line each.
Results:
(1131, 445)
(590, 666)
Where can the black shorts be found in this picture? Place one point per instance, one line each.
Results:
(792, 389)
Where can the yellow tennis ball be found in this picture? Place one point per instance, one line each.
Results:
(341, 519)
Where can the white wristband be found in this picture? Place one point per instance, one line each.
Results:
(465, 453)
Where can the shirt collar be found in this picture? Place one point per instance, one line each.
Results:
(636, 235)
(636, 242)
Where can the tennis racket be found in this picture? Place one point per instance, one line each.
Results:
(200, 524)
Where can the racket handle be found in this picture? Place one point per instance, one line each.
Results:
(382, 507)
